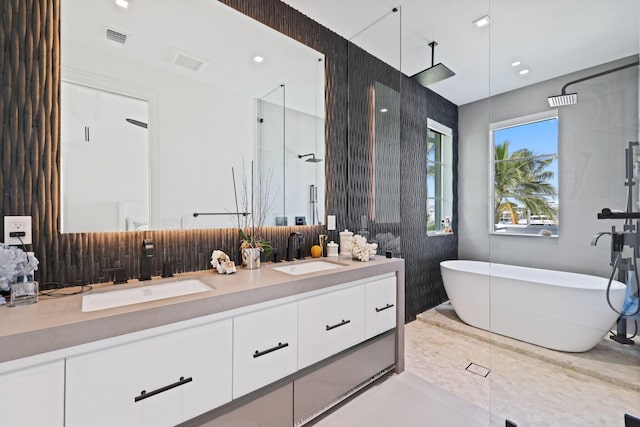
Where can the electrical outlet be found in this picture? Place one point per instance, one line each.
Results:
(19, 224)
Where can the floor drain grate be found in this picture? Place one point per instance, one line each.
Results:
(474, 368)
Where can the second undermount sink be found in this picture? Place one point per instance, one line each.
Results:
(307, 267)
(110, 298)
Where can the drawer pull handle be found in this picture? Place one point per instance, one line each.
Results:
(269, 350)
(378, 310)
(344, 322)
(144, 394)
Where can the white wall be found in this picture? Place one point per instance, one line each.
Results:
(592, 137)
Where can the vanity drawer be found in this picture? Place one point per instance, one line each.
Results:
(380, 306)
(330, 323)
(265, 347)
(160, 381)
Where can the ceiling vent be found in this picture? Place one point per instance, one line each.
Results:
(116, 36)
(188, 61)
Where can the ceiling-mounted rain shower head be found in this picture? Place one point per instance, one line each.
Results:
(311, 160)
(435, 73)
(572, 98)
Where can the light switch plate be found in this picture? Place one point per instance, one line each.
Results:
(17, 223)
(331, 222)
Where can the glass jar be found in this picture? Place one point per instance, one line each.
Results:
(23, 293)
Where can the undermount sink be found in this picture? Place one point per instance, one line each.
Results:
(133, 295)
(307, 267)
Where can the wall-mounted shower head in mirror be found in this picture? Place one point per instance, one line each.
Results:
(312, 159)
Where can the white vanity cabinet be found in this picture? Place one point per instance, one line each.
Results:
(33, 396)
(265, 347)
(159, 381)
(330, 323)
(380, 306)
(276, 361)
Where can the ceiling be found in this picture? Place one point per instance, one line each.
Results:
(550, 37)
(222, 38)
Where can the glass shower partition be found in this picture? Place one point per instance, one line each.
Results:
(374, 147)
(552, 357)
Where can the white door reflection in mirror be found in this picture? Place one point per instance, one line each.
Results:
(105, 167)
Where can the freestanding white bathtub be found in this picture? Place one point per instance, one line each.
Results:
(558, 310)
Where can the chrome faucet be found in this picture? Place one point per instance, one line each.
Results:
(291, 246)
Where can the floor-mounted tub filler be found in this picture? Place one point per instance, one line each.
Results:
(553, 309)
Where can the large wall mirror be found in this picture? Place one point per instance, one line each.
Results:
(165, 104)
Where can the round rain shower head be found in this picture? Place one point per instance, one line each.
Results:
(313, 158)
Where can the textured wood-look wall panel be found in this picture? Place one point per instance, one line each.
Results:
(423, 254)
(30, 156)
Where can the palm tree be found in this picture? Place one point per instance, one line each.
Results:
(522, 176)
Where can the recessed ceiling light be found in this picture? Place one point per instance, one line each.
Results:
(123, 3)
(523, 72)
(383, 110)
(515, 63)
(483, 21)
(258, 59)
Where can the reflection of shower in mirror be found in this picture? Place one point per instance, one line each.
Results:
(313, 201)
(313, 158)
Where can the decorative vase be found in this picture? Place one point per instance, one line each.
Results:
(251, 258)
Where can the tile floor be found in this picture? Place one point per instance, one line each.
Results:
(529, 385)
(407, 400)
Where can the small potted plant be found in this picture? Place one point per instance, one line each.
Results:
(251, 248)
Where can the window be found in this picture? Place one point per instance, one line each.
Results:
(524, 176)
(439, 178)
